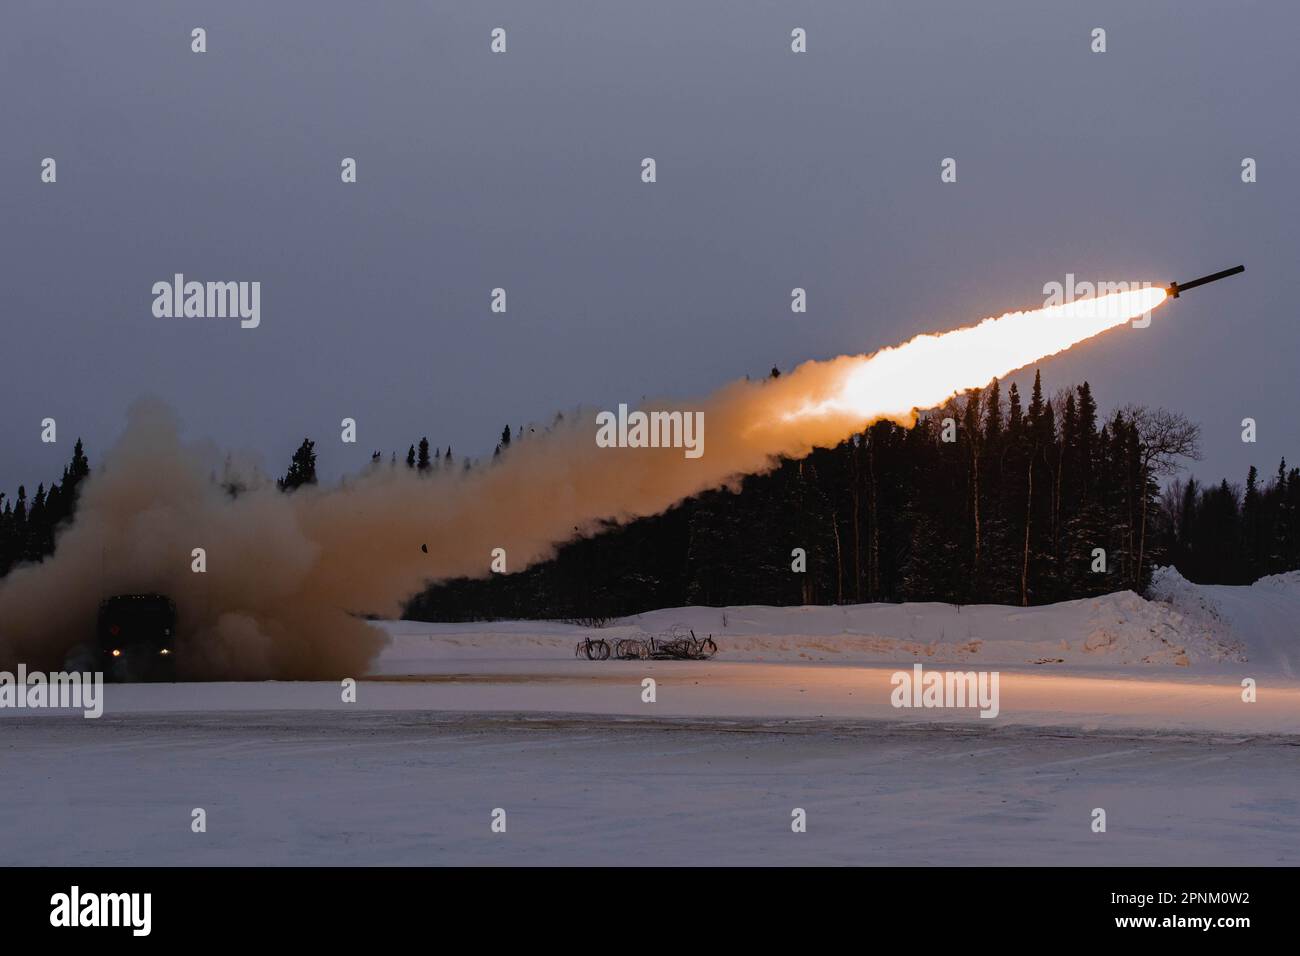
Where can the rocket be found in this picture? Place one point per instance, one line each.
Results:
(1177, 288)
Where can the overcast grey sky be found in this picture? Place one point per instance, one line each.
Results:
(522, 170)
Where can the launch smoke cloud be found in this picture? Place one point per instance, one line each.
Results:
(289, 577)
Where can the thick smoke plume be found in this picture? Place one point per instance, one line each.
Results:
(288, 574)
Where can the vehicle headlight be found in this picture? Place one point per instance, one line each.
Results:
(117, 652)
(165, 651)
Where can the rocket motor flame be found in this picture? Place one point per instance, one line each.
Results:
(927, 370)
(287, 575)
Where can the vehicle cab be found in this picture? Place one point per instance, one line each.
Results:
(137, 637)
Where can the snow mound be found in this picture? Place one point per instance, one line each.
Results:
(1182, 625)
(1261, 620)
(1120, 628)
(1201, 618)
(1288, 582)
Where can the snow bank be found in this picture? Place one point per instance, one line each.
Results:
(1287, 582)
(1263, 618)
(1184, 625)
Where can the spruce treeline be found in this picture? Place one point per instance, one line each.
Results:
(993, 498)
(27, 526)
(1223, 534)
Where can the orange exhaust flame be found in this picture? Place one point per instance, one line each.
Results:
(926, 371)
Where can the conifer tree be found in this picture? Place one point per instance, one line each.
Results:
(302, 468)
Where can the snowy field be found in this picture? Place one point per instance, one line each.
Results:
(419, 788)
(1116, 702)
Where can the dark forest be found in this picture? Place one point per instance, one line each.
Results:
(989, 499)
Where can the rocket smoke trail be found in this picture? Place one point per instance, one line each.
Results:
(287, 574)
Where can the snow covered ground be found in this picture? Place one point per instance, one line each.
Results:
(419, 788)
(1129, 705)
